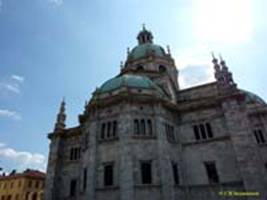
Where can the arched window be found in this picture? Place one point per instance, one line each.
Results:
(109, 129)
(34, 196)
(27, 195)
(136, 127)
(140, 68)
(143, 127)
(203, 132)
(162, 68)
(103, 129)
(149, 124)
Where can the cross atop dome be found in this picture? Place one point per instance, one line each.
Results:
(144, 36)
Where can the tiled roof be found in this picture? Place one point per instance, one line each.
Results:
(26, 173)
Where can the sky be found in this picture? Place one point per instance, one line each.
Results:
(50, 49)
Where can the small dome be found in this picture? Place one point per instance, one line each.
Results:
(131, 81)
(253, 98)
(143, 50)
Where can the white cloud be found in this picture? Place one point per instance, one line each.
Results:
(10, 87)
(9, 114)
(18, 78)
(12, 84)
(223, 20)
(196, 74)
(195, 66)
(23, 159)
(57, 2)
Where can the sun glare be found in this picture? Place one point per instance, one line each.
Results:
(223, 20)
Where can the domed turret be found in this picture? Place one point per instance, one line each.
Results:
(252, 98)
(145, 36)
(145, 47)
(129, 81)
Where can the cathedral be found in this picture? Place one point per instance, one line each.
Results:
(141, 137)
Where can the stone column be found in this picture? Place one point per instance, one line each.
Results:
(164, 158)
(52, 168)
(126, 181)
(90, 157)
(248, 158)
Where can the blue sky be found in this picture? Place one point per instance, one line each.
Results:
(55, 48)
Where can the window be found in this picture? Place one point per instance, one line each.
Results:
(73, 185)
(143, 127)
(149, 125)
(170, 133)
(17, 197)
(9, 197)
(259, 136)
(175, 171)
(108, 175)
(19, 184)
(196, 131)
(203, 131)
(75, 153)
(162, 68)
(11, 185)
(211, 172)
(136, 127)
(140, 68)
(146, 172)
(109, 130)
(265, 165)
(36, 184)
(84, 179)
(103, 131)
(30, 184)
(34, 196)
(27, 195)
(209, 131)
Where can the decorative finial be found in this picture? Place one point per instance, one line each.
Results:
(214, 59)
(144, 36)
(121, 64)
(128, 51)
(168, 49)
(212, 54)
(144, 26)
(222, 61)
(85, 104)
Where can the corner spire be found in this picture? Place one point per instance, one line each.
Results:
(223, 63)
(223, 76)
(61, 117)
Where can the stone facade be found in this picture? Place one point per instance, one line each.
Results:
(141, 137)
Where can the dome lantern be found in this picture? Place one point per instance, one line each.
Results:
(144, 36)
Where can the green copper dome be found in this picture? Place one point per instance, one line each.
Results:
(128, 80)
(253, 98)
(145, 49)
